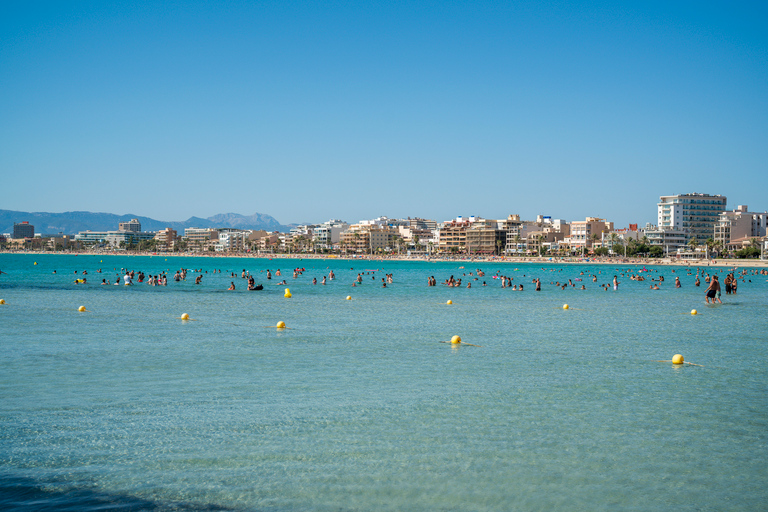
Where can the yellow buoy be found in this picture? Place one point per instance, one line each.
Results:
(185, 316)
(566, 306)
(281, 325)
(2, 301)
(287, 290)
(35, 263)
(287, 295)
(455, 340)
(81, 309)
(677, 359)
(449, 302)
(694, 312)
(349, 297)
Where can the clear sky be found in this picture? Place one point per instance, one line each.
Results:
(315, 110)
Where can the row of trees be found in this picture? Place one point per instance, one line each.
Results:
(303, 244)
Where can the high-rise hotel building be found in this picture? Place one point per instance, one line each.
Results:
(694, 214)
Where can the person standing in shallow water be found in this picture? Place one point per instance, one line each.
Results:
(615, 283)
(713, 291)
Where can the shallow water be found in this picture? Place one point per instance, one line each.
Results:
(357, 406)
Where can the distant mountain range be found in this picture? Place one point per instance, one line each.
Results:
(73, 222)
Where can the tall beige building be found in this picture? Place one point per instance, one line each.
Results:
(739, 226)
(583, 231)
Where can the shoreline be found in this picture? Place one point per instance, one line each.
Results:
(751, 263)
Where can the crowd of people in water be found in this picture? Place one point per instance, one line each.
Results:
(712, 292)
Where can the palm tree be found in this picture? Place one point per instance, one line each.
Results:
(719, 247)
(356, 236)
(693, 243)
(614, 238)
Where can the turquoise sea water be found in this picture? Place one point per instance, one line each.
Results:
(358, 406)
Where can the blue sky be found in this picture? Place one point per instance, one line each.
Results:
(314, 110)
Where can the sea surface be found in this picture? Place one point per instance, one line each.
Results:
(358, 406)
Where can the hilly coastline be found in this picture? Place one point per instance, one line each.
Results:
(70, 223)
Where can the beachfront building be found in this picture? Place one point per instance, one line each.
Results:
(270, 242)
(512, 227)
(382, 238)
(232, 239)
(59, 242)
(584, 233)
(556, 232)
(670, 240)
(694, 214)
(166, 239)
(23, 230)
(121, 238)
(419, 224)
(368, 237)
(132, 225)
(201, 239)
(415, 237)
(737, 228)
(483, 236)
(621, 236)
(328, 234)
(536, 241)
(416, 233)
(452, 235)
(255, 237)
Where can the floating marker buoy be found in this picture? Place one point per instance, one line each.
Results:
(449, 302)
(35, 263)
(349, 297)
(2, 301)
(287, 295)
(281, 325)
(81, 309)
(694, 312)
(185, 316)
(677, 359)
(455, 340)
(566, 306)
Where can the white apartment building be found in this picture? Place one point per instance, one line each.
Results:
(328, 234)
(694, 214)
(670, 240)
(231, 239)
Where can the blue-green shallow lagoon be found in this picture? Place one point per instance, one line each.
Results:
(357, 406)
